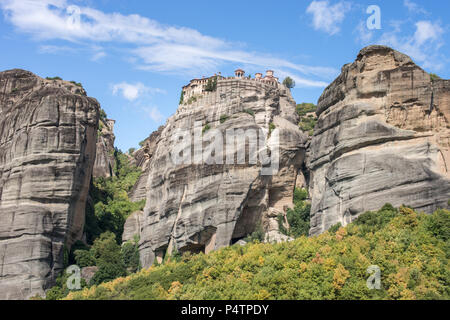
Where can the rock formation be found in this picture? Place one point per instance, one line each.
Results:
(200, 207)
(48, 131)
(382, 136)
(142, 159)
(104, 159)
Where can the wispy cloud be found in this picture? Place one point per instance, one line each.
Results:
(414, 7)
(154, 114)
(423, 46)
(151, 45)
(327, 17)
(133, 91)
(139, 97)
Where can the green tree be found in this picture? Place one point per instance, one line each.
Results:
(298, 218)
(288, 82)
(211, 85)
(108, 257)
(181, 97)
(130, 254)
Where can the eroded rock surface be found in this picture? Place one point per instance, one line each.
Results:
(104, 159)
(382, 136)
(48, 131)
(142, 159)
(201, 207)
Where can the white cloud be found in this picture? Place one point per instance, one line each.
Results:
(326, 17)
(134, 91)
(52, 49)
(154, 114)
(414, 7)
(151, 45)
(423, 46)
(364, 35)
(99, 55)
(427, 31)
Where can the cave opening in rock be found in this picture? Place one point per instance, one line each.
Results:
(250, 218)
(203, 241)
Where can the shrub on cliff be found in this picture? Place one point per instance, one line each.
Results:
(411, 249)
(211, 85)
(308, 120)
(298, 218)
(111, 205)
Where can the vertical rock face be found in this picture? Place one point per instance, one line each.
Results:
(382, 136)
(142, 158)
(104, 159)
(47, 149)
(199, 206)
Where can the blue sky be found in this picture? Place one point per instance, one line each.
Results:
(134, 56)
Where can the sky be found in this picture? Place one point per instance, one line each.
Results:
(134, 56)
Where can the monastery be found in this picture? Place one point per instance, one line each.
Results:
(197, 87)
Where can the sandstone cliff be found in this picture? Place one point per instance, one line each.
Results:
(201, 207)
(104, 159)
(48, 131)
(142, 158)
(382, 136)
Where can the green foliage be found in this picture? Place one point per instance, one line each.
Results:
(192, 100)
(53, 78)
(181, 97)
(334, 228)
(14, 90)
(206, 128)
(250, 112)
(111, 205)
(103, 115)
(131, 150)
(257, 235)
(370, 222)
(271, 128)
(130, 254)
(434, 77)
(288, 82)
(108, 257)
(77, 84)
(408, 247)
(142, 143)
(308, 120)
(298, 218)
(223, 118)
(84, 258)
(304, 108)
(211, 85)
(438, 225)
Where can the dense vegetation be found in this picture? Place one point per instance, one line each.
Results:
(297, 218)
(308, 119)
(110, 204)
(411, 249)
(106, 212)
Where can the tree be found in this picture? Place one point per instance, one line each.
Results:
(288, 82)
(181, 97)
(211, 85)
(108, 255)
